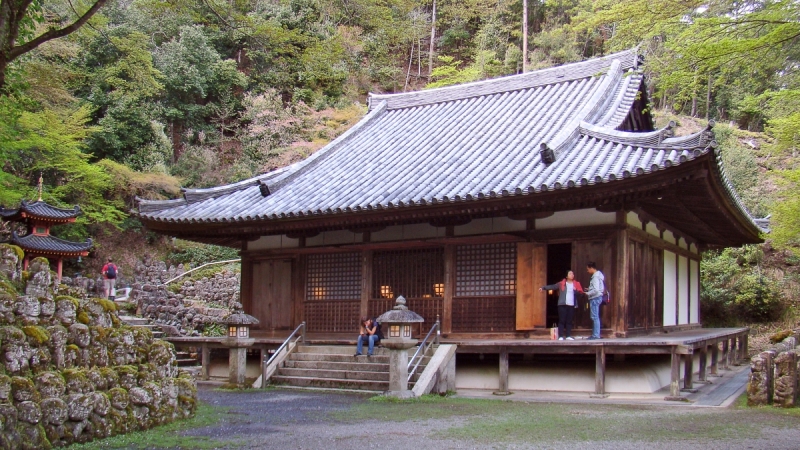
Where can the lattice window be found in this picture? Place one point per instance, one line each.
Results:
(428, 308)
(486, 270)
(411, 273)
(334, 276)
(332, 317)
(484, 314)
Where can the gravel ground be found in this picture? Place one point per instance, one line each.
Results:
(290, 419)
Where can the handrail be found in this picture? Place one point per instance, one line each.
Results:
(302, 338)
(436, 326)
(200, 267)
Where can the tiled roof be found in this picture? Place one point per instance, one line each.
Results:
(33, 242)
(467, 142)
(41, 209)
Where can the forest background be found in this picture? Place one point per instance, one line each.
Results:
(141, 97)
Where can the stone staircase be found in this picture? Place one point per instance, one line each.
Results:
(184, 358)
(335, 367)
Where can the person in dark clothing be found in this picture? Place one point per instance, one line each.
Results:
(568, 291)
(371, 333)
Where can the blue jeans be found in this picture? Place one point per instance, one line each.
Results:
(594, 313)
(373, 339)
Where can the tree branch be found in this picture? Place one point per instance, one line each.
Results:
(54, 34)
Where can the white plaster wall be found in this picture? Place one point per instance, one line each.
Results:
(477, 226)
(577, 218)
(333, 238)
(633, 220)
(669, 237)
(670, 288)
(503, 224)
(682, 244)
(683, 290)
(694, 291)
(271, 242)
(652, 229)
(568, 376)
(693, 249)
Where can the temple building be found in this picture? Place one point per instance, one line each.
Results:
(466, 199)
(39, 217)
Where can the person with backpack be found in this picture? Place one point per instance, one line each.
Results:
(568, 290)
(371, 333)
(109, 278)
(597, 287)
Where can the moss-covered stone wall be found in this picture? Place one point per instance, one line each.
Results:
(71, 372)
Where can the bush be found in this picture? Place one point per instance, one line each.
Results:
(196, 254)
(735, 291)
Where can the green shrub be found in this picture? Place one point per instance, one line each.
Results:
(735, 291)
(196, 254)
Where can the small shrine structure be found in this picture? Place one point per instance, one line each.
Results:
(39, 217)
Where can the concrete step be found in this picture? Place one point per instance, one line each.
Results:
(338, 358)
(335, 383)
(334, 374)
(337, 365)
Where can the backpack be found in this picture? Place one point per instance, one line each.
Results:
(606, 298)
(111, 271)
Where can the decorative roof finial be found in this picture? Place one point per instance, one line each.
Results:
(41, 182)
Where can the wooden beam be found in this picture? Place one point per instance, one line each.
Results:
(656, 242)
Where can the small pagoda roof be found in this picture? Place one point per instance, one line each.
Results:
(39, 210)
(52, 245)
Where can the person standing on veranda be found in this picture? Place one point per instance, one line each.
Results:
(568, 291)
(109, 272)
(597, 287)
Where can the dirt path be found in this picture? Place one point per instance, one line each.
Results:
(320, 420)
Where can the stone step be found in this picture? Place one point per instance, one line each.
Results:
(131, 320)
(334, 383)
(338, 349)
(334, 374)
(337, 365)
(338, 358)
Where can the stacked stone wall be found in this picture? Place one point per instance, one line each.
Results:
(184, 307)
(774, 375)
(70, 372)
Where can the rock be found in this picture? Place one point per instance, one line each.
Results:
(79, 406)
(29, 412)
(50, 384)
(54, 411)
(40, 281)
(23, 390)
(66, 310)
(28, 310)
(101, 404)
(119, 398)
(79, 335)
(140, 396)
(10, 261)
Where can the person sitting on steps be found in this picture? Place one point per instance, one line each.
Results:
(371, 333)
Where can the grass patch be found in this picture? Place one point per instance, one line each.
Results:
(491, 422)
(169, 435)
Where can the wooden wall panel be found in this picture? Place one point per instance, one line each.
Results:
(272, 294)
(531, 305)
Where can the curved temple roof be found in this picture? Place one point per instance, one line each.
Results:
(465, 143)
(39, 210)
(50, 244)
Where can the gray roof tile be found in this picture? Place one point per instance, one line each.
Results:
(457, 143)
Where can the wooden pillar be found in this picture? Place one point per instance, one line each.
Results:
(205, 361)
(724, 354)
(25, 261)
(739, 353)
(600, 372)
(60, 267)
(714, 359)
(503, 390)
(449, 288)
(688, 369)
(619, 319)
(703, 362)
(246, 285)
(732, 352)
(675, 377)
(366, 281)
(299, 289)
(745, 350)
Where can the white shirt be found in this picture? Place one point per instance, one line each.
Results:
(570, 294)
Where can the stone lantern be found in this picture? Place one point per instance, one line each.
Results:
(397, 338)
(238, 340)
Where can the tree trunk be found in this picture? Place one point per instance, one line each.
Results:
(410, 61)
(524, 36)
(694, 97)
(708, 97)
(433, 38)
